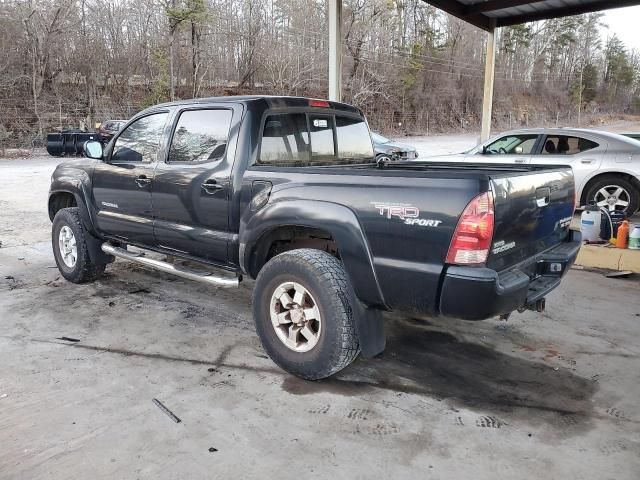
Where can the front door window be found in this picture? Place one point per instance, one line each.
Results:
(511, 145)
(140, 141)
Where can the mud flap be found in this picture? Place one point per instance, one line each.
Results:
(94, 244)
(370, 329)
(94, 247)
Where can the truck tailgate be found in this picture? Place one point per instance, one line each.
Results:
(533, 212)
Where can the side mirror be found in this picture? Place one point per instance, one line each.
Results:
(484, 149)
(518, 150)
(93, 149)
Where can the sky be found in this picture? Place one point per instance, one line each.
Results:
(625, 23)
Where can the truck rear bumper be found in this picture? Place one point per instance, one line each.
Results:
(478, 293)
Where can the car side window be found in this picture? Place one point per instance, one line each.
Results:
(512, 144)
(200, 136)
(139, 142)
(566, 145)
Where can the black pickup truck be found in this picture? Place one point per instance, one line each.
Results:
(286, 191)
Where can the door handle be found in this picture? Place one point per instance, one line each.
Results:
(210, 187)
(519, 160)
(142, 181)
(586, 162)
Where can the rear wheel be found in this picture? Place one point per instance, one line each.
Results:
(70, 250)
(303, 314)
(614, 193)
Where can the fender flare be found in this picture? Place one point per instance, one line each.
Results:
(338, 220)
(76, 188)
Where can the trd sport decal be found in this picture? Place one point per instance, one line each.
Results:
(408, 213)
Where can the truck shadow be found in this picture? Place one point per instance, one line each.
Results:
(427, 361)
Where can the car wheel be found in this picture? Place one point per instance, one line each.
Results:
(303, 315)
(383, 157)
(70, 250)
(615, 194)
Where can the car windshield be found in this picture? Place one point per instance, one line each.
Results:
(377, 138)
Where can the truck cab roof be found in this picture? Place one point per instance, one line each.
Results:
(271, 101)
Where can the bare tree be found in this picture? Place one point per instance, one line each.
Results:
(405, 62)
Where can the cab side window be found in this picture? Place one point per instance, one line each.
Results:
(354, 142)
(512, 144)
(322, 145)
(285, 139)
(566, 145)
(200, 136)
(140, 141)
(310, 139)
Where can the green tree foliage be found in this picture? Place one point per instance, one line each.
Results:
(159, 88)
(589, 85)
(619, 73)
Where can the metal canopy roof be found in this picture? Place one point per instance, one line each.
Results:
(483, 13)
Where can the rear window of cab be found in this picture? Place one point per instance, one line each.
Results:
(314, 139)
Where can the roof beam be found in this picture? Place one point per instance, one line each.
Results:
(565, 11)
(457, 10)
(493, 5)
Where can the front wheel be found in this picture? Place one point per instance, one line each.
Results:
(303, 314)
(68, 239)
(383, 157)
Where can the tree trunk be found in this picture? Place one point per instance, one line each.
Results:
(172, 87)
(195, 59)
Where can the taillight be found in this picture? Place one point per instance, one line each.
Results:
(472, 239)
(319, 103)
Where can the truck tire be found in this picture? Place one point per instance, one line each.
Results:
(68, 239)
(616, 189)
(303, 314)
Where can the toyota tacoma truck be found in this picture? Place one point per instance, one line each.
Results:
(286, 191)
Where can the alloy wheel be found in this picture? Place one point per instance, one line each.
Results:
(612, 197)
(295, 317)
(67, 246)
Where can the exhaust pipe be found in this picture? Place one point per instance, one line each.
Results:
(189, 274)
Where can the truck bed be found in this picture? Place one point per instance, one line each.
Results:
(408, 212)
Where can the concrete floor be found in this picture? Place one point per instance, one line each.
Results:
(551, 395)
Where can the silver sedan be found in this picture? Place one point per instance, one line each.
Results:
(606, 165)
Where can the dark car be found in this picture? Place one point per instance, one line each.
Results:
(390, 150)
(284, 190)
(108, 129)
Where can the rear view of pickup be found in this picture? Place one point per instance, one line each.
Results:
(287, 191)
(528, 252)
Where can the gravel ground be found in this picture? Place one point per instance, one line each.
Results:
(551, 395)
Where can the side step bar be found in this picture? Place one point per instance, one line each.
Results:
(202, 277)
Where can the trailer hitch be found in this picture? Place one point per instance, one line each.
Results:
(538, 306)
